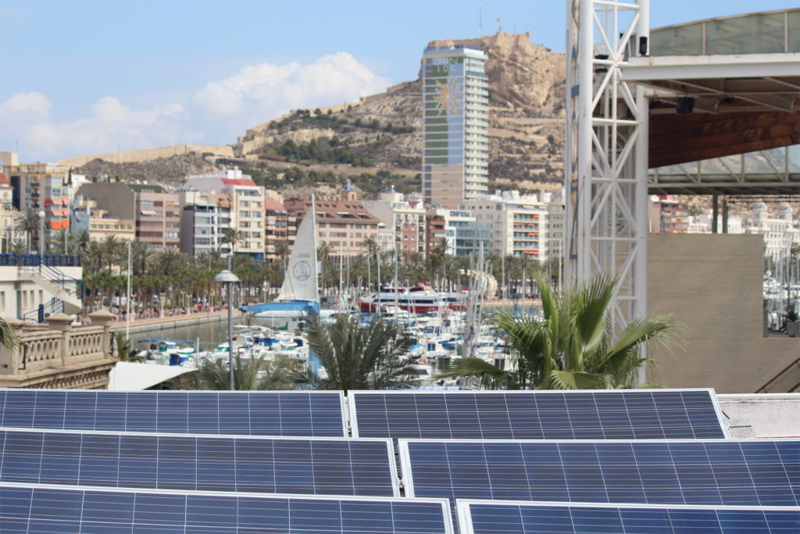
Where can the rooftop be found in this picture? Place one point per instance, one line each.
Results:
(146, 188)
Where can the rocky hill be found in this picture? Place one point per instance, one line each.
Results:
(378, 139)
(383, 132)
(165, 171)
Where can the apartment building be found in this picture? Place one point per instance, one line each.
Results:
(342, 225)
(41, 187)
(459, 229)
(98, 223)
(8, 213)
(517, 223)
(204, 219)
(155, 212)
(280, 227)
(405, 218)
(248, 206)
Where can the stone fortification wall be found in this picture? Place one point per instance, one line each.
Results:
(149, 154)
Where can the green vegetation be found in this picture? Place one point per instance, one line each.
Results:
(248, 374)
(574, 347)
(326, 150)
(357, 356)
(304, 118)
(368, 183)
(8, 339)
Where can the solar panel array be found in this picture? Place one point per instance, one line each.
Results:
(317, 466)
(295, 413)
(719, 472)
(516, 518)
(656, 414)
(240, 462)
(33, 509)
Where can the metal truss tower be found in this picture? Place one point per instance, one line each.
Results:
(606, 152)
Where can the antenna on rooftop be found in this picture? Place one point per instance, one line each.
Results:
(480, 20)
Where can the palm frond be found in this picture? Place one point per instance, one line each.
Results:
(476, 368)
(578, 380)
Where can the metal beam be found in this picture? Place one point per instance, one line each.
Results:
(722, 66)
(607, 151)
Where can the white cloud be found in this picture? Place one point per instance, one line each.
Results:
(110, 125)
(216, 114)
(23, 105)
(259, 92)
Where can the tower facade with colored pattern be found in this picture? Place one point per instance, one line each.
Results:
(455, 155)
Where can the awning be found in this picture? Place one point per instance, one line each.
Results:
(147, 213)
(128, 376)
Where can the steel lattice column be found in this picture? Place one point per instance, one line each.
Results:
(606, 152)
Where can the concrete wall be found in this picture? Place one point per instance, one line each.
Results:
(713, 285)
(113, 197)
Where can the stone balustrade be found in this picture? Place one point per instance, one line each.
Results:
(62, 356)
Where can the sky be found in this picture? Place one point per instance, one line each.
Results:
(85, 77)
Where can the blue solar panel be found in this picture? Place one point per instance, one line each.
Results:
(656, 414)
(268, 413)
(31, 509)
(540, 518)
(317, 466)
(718, 472)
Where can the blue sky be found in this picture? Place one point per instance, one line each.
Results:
(91, 76)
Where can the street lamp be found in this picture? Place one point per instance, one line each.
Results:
(41, 232)
(228, 278)
(128, 297)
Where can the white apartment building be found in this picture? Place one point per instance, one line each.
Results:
(779, 232)
(247, 209)
(702, 223)
(517, 224)
(556, 224)
(204, 219)
(461, 231)
(404, 218)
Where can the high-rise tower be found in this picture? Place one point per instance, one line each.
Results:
(455, 154)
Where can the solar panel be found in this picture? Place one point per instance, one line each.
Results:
(655, 414)
(265, 413)
(36, 509)
(716, 472)
(484, 517)
(317, 466)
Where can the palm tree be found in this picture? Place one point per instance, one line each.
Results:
(372, 248)
(249, 373)
(231, 236)
(81, 241)
(61, 242)
(282, 250)
(8, 338)
(28, 223)
(574, 347)
(356, 356)
(112, 250)
(169, 263)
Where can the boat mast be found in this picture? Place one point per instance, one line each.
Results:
(314, 247)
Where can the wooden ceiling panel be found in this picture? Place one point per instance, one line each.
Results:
(678, 139)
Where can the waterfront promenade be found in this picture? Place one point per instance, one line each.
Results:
(171, 321)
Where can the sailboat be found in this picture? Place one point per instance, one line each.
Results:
(299, 293)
